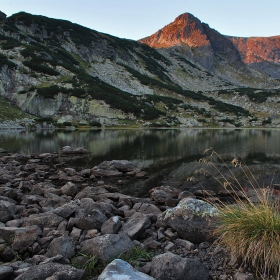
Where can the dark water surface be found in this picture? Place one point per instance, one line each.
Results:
(158, 151)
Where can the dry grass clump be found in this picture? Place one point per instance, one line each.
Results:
(250, 230)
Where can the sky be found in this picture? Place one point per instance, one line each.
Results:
(136, 19)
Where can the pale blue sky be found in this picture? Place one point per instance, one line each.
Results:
(135, 19)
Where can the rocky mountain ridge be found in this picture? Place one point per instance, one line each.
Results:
(63, 72)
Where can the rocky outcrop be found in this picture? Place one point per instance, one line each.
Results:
(2, 17)
(213, 50)
(186, 30)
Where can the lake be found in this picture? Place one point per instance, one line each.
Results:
(160, 152)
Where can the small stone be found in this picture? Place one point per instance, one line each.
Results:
(170, 234)
(169, 247)
(243, 276)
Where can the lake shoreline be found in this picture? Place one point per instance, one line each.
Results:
(48, 206)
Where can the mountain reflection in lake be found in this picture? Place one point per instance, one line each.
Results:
(166, 154)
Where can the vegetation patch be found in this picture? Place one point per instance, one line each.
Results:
(56, 27)
(254, 94)
(5, 61)
(249, 228)
(35, 66)
(10, 112)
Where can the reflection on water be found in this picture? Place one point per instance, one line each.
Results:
(157, 151)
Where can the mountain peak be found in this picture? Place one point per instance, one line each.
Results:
(186, 29)
(185, 17)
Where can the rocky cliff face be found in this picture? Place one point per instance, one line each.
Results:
(53, 68)
(261, 53)
(212, 50)
(186, 30)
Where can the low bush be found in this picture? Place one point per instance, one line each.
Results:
(5, 61)
(33, 65)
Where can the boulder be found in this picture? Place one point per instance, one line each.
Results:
(67, 150)
(64, 246)
(25, 239)
(92, 220)
(169, 266)
(7, 211)
(136, 225)
(146, 208)
(119, 269)
(107, 246)
(120, 165)
(47, 219)
(66, 210)
(111, 226)
(69, 189)
(5, 271)
(7, 232)
(194, 220)
(51, 271)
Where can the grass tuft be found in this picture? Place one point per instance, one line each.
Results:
(252, 233)
(250, 227)
(136, 254)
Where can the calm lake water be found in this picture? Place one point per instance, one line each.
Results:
(157, 151)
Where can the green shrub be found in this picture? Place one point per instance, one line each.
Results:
(10, 45)
(35, 66)
(95, 123)
(67, 124)
(4, 61)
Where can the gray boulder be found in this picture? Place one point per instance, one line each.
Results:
(25, 239)
(69, 189)
(136, 225)
(111, 226)
(7, 232)
(194, 220)
(66, 210)
(169, 266)
(7, 211)
(147, 208)
(5, 271)
(119, 269)
(64, 246)
(51, 271)
(92, 220)
(119, 165)
(47, 219)
(107, 246)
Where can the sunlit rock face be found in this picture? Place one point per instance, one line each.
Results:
(185, 29)
(258, 49)
(202, 41)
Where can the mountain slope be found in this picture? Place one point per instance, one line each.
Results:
(57, 69)
(227, 57)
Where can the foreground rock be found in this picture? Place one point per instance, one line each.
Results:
(51, 271)
(53, 215)
(108, 246)
(68, 150)
(119, 269)
(194, 220)
(169, 266)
